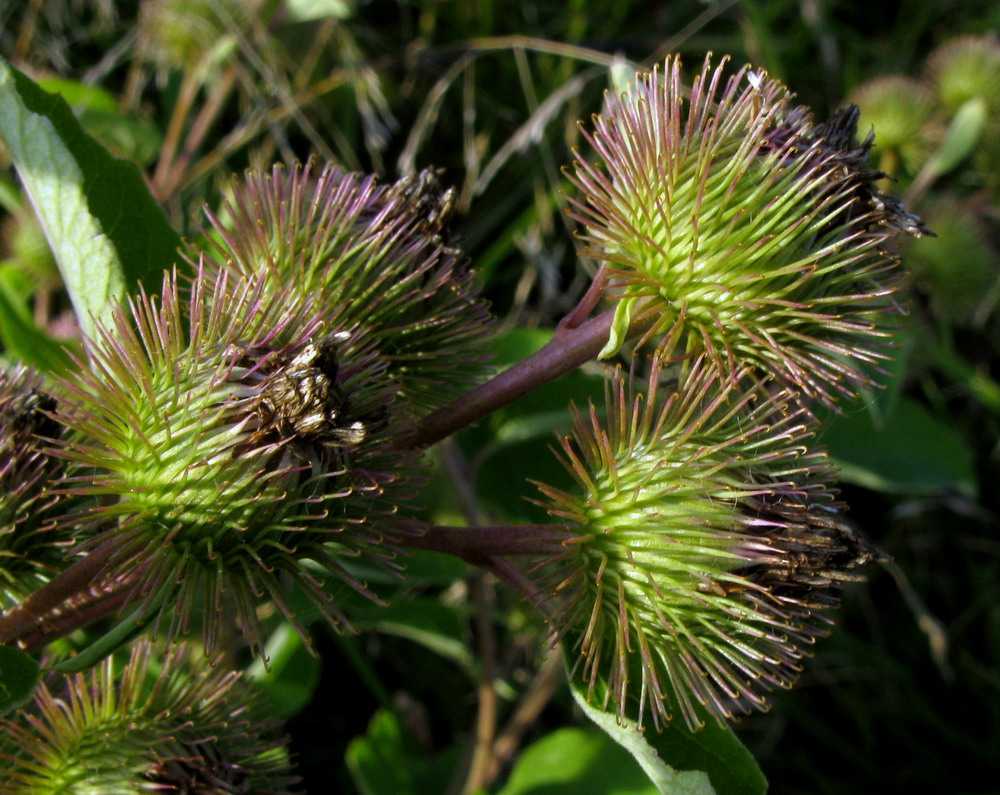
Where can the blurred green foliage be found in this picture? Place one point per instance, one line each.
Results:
(906, 693)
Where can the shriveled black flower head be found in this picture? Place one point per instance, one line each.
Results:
(755, 232)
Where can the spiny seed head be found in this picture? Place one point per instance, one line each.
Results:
(755, 232)
(165, 724)
(235, 460)
(957, 269)
(703, 540)
(378, 258)
(182, 34)
(965, 68)
(901, 110)
(31, 548)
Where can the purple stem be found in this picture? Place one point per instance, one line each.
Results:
(477, 544)
(80, 615)
(68, 583)
(571, 347)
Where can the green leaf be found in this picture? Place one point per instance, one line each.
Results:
(430, 568)
(630, 737)
(678, 760)
(514, 445)
(908, 451)
(978, 384)
(124, 136)
(292, 673)
(378, 761)
(19, 674)
(386, 761)
(423, 620)
(80, 96)
(571, 761)
(433, 568)
(10, 194)
(964, 133)
(21, 338)
(313, 10)
(104, 228)
(98, 114)
(518, 344)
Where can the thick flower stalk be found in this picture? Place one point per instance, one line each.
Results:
(235, 460)
(756, 232)
(164, 725)
(704, 536)
(378, 259)
(31, 548)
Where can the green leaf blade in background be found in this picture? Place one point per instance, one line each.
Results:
(964, 133)
(378, 760)
(21, 338)
(106, 231)
(386, 760)
(436, 626)
(19, 675)
(98, 113)
(908, 451)
(513, 447)
(710, 761)
(560, 762)
(291, 675)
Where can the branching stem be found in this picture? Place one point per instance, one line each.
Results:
(573, 344)
(570, 347)
(476, 544)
